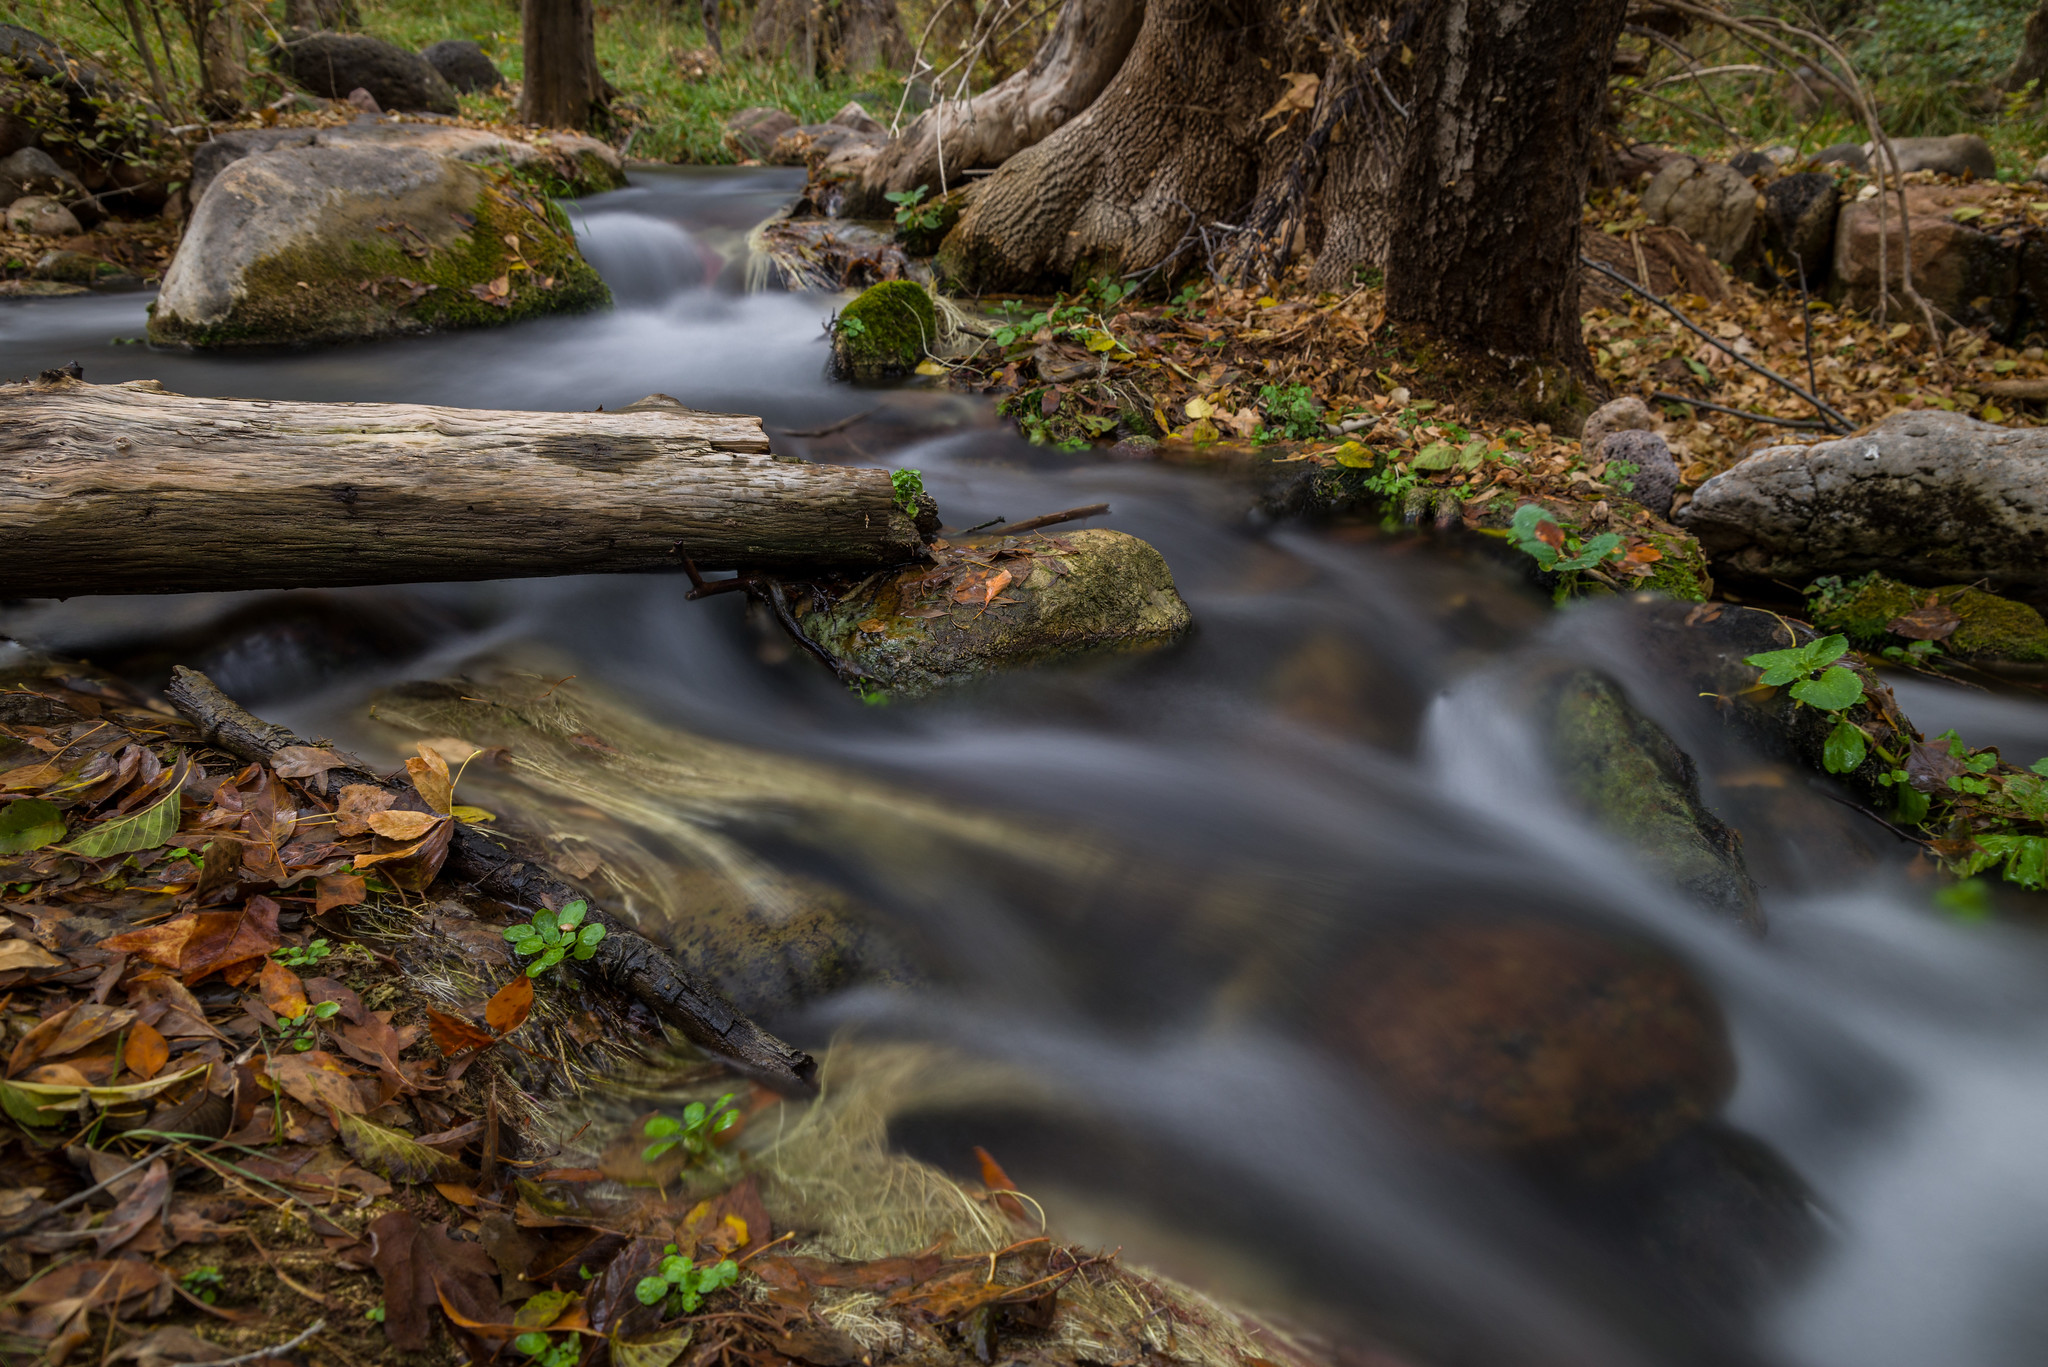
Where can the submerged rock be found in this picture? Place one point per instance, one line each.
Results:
(327, 243)
(885, 332)
(1028, 598)
(1935, 496)
(334, 64)
(1962, 619)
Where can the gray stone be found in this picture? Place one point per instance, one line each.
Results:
(464, 65)
(586, 164)
(1924, 496)
(32, 171)
(1799, 225)
(1754, 163)
(1849, 154)
(329, 242)
(1655, 481)
(1066, 592)
(1961, 154)
(852, 115)
(333, 64)
(1714, 205)
(752, 132)
(1627, 413)
(41, 217)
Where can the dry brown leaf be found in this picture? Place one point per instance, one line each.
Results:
(431, 781)
(358, 802)
(509, 1006)
(401, 825)
(146, 1051)
(282, 990)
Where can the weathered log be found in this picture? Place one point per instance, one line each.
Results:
(128, 488)
(625, 960)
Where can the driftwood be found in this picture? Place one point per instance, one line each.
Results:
(128, 488)
(625, 960)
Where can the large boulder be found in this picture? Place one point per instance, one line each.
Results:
(333, 64)
(36, 216)
(1715, 205)
(1963, 154)
(1799, 226)
(1025, 598)
(1971, 275)
(583, 164)
(32, 171)
(466, 67)
(326, 243)
(1932, 496)
(753, 131)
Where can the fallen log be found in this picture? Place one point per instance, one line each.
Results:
(128, 488)
(625, 960)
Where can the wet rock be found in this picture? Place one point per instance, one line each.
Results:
(752, 132)
(817, 144)
(1849, 154)
(297, 245)
(1971, 275)
(333, 64)
(1625, 414)
(1715, 205)
(884, 332)
(828, 254)
(465, 66)
(1560, 1045)
(1962, 619)
(586, 165)
(40, 217)
(1655, 479)
(37, 289)
(1934, 496)
(1620, 768)
(923, 627)
(1799, 226)
(32, 171)
(854, 116)
(74, 268)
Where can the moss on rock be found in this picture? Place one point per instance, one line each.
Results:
(1991, 627)
(1027, 598)
(884, 332)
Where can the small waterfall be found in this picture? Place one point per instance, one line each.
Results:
(645, 260)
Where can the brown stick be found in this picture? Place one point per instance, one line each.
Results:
(625, 959)
(1032, 524)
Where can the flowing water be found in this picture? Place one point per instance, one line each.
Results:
(1340, 743)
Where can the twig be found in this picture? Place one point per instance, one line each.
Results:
(1810, 424)
(1050, 519)
(829, 428)
(1825, 410)
(315, 1327)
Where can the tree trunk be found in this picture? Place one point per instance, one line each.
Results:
(130, 489)
(2032, 63)
(562, 86)
(711, 35)
(333, 16)
(848, 37)
(217, 41)
(1169, 148)
(1484, 247)
(1072, 67)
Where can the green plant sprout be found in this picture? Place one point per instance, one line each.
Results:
(554, 937)
(302, 1032)
(679, 1287)
(913, 213)
(852, 327)
(1293, 410)
(203, 1283)
(302, 956)
(547, 1352)
(375, 1314)
(1818, 682)
(693, 1134)
(909, 484)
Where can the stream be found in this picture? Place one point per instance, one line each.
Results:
(1338, 745)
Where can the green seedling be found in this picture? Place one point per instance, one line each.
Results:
(203, 1283)
(302, 956)
(554, 936)
(909, 485)
(547, 1351)
(302, 1032)
(1292, 410)
(913, 213)
(679, 1287)
(693, 1134)
(1818, 682)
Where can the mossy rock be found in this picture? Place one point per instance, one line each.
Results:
(1992, 628)
(884, 332)
(1025, 599)
(319, 244)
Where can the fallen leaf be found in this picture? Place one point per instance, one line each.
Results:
(996, 1180)
(357, 803)
(146, 1051)
(282, 990)
(509, 1006)
(414, 866)
(66, 1032)
(307, 761)
(26, 954)
(144, 830)
(401, 825)
(144, 1201)
(318, 1081)
(1928, 622)
(338, 890)
(29, 824)
(393, 1154)
(430, 780)
(454, 1034)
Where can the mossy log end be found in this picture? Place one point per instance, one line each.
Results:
(129, 488)
(626, 962)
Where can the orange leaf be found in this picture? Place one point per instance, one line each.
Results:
(358, 802)
(282, 991)
(146, 1052)
(455, 1034)
(458, 1193)
(507, 1009)
(996, 1180)
(430, 780)
(401, 825)
(337, 890)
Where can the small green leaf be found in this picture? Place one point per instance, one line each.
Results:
(1824, 651)
(517, 934)
(1438, 455)
(661, 1127)
(693, 1116)
(532, 1344)
(569, 917)
(29, 825)
(1780, 667)
(1845, 748)
(143, 830)
(532, 944)
(651, 1290)
(1831, 692)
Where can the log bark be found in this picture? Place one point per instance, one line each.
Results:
(1074, 65)
(129, 488)
(625, 961)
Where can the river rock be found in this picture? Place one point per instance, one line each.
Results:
(752, 132)
(326, 243)
(885, 332)
(1971, 275)
(1655, 481)
(817, 144)
(1625, 414)
(584, 164)
(464, 65)
(827, 254)
(1544, 1041)
(1714, 204)
(1849, 154)
(1031, 598)
(1620, 768)
(40, 217)
(76, 268)
(1799, 226)
(1934, 496)
(854, 115)
(333, 64)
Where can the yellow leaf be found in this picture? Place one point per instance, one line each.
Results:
(394, 1155)
(1267, 301)
(930, 368)
(403, 825)
(1159, 416)
(1898, 330)
(1199, 408)
(430, 779)
(1993, 413)
(1353, 455)
(1099, 340)
(471, 815)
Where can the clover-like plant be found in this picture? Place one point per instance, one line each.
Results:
(679, 1287)
(1818, 682)
(694, 1134)
(555, 936)
(302, 1032)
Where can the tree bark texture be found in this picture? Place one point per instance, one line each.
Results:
(128, 488)
(1170, 146)
(2032, 63)
(1507, 100)
(1072, 67)
(562, 87)
(217, 40)
(850, 37)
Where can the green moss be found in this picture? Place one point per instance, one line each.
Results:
(1991, 628)
(1682, 573)
(884, 332)
(338, 292)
